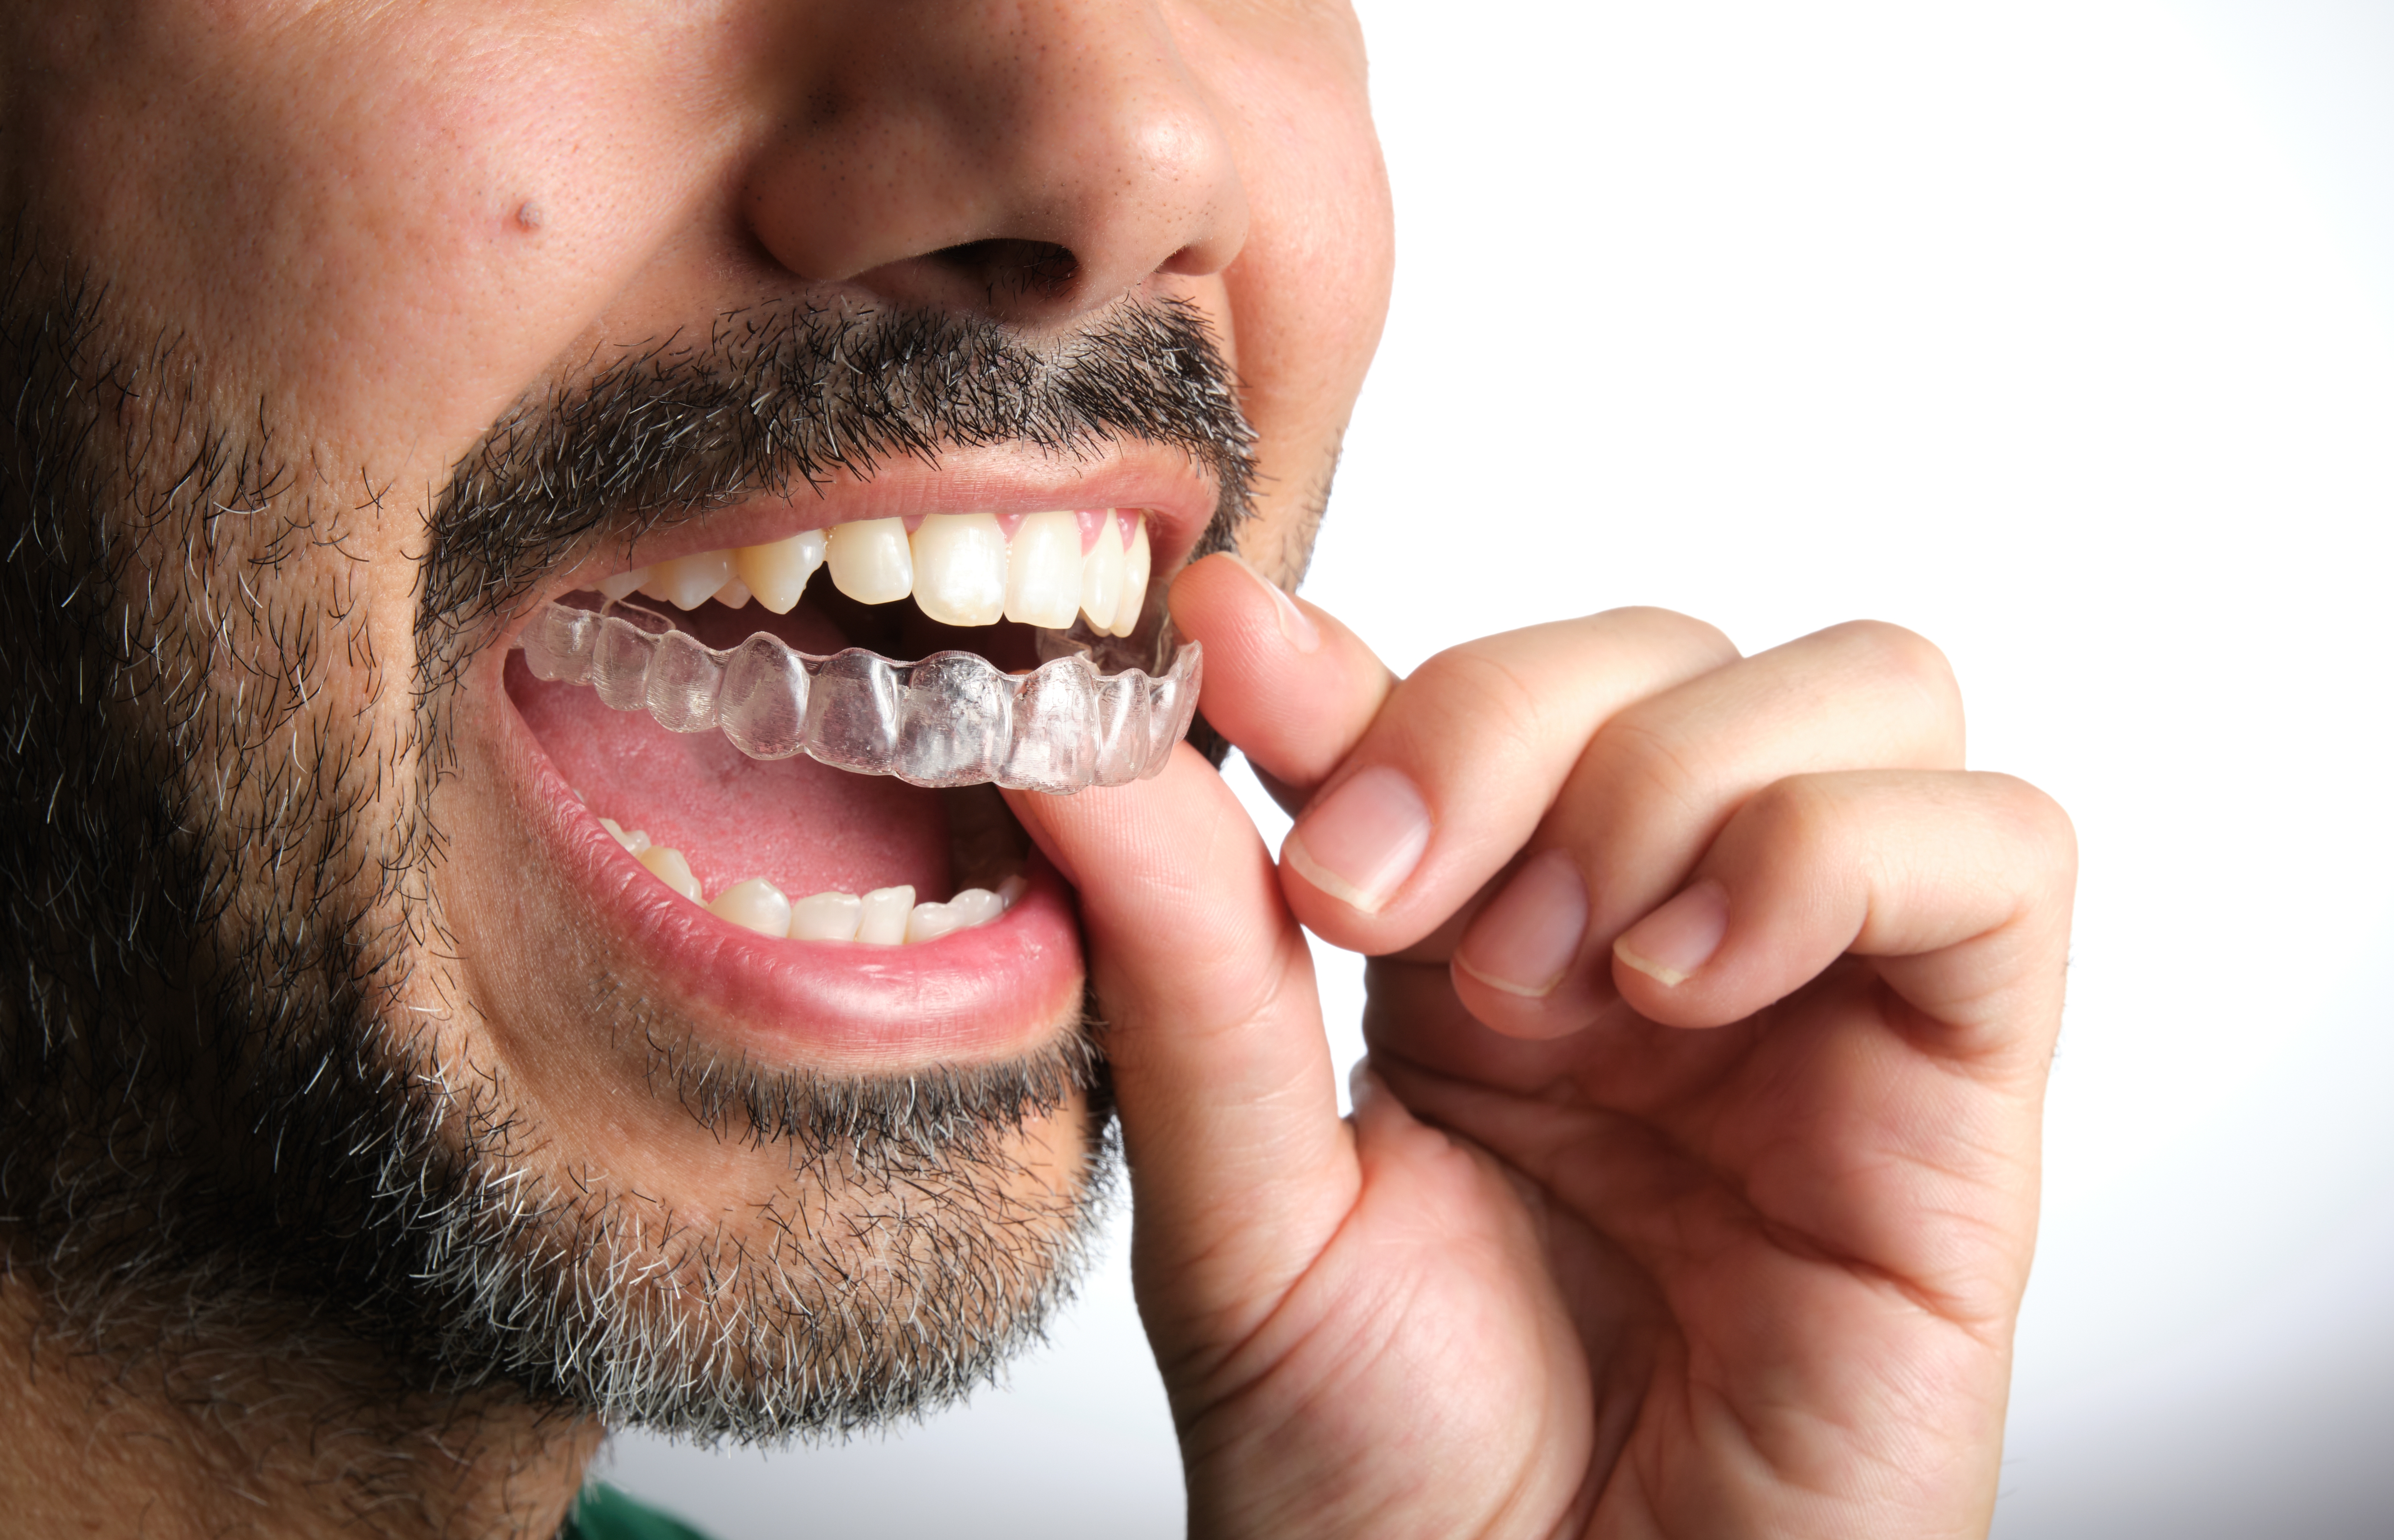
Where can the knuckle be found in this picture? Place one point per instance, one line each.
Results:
(2038, 821)
(1801, 813)
(1900, 665)
(1685, 633)
(1648, 764)
(1897, 651)
(1504, 711)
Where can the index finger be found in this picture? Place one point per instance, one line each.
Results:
(1463, 761)
(1284, 681)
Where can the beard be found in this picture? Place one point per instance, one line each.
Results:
(232, 1032)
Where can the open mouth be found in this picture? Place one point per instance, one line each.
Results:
(796, 746)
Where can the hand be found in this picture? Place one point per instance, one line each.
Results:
(1692, 1179)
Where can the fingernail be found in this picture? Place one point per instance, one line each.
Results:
(1527, 938)
(1360, 843)
(1299, 631)
(1680, 937)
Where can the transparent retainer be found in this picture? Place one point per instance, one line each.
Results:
(952, 719)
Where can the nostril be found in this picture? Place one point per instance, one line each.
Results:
(1011, 269)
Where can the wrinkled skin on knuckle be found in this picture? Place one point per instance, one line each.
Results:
(1501, 712)
(1650, 773)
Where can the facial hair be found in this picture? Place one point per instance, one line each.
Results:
(227, 1106)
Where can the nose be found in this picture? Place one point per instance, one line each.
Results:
(1031, 159)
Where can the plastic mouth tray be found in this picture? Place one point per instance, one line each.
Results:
(951, 720)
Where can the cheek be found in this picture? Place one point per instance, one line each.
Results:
(392, 221)
(1309, 291)
(1311, 288)
(1321, 252)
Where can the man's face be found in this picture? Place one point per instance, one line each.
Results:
(346, 339)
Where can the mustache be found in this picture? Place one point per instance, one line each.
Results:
(800, 393)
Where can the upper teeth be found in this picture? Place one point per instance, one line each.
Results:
(961, 568)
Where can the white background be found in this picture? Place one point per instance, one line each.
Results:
(2064, 333)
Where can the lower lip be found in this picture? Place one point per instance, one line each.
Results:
(983, 995)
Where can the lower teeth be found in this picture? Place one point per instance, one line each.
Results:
(952, 720)
(886, 916)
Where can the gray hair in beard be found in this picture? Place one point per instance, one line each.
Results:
(220, 1119)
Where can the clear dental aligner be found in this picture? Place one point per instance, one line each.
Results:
(952, 719)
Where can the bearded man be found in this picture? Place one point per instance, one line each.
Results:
(601, 604)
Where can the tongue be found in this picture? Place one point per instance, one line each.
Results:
(805, 827)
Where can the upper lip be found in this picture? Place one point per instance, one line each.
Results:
(1177, 495)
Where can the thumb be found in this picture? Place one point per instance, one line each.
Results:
(1240, 1168)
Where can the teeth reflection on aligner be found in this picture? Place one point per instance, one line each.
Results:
(952, 720)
